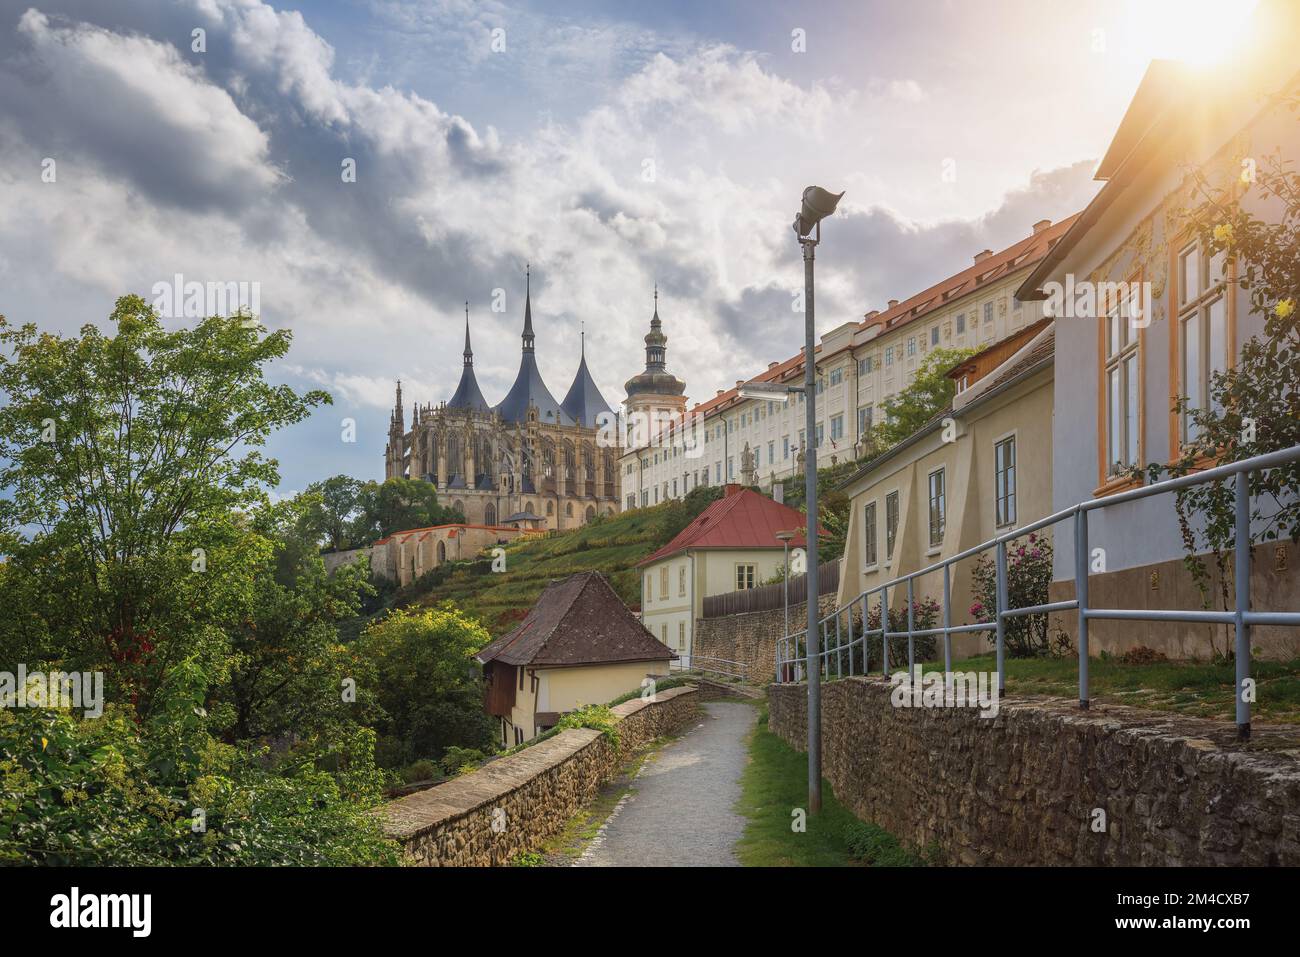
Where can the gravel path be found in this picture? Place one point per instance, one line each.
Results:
(679, 811)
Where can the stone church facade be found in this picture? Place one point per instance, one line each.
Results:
(528, 461)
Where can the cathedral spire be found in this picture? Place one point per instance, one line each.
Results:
(467, 394)
(528, 309)
(469, 352)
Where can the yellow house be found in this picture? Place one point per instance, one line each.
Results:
(578, 645)
(981, 468)
(730, 546)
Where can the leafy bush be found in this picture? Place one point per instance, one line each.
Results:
(423, 770)
(526, 859)
(462, 760)
(597, 717)
(925, 614)
(427, 682)
(106, 792)
(1029, 573)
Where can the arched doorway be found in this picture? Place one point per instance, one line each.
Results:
(591, 512)
(442, 552)
(489, 514)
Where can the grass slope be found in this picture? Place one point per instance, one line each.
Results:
(610, 545)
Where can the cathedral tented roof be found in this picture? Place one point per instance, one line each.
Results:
(467, 394)
(529, 387)
(584, 401)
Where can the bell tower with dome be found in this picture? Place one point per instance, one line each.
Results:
(655, 399)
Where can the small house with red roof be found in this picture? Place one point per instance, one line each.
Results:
(578, 645)
(730, 546)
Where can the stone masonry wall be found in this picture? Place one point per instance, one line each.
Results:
(532, 793)
(751, 638)
(1021, 788)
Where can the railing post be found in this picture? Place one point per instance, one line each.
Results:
(825, 660)
(1081, 594)
(1242, 567)
(947, 635)
(866, 658)
(911, 650)
(884, 631)
(838, 613)
(1001, 624)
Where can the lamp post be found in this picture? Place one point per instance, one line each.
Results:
(817, 205)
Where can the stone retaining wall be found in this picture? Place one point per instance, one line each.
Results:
(529, 795)
(751, 638)
(1024, 787)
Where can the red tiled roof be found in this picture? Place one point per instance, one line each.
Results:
(741, 519)
(1017, 256)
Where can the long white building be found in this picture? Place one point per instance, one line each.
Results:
(673, 446)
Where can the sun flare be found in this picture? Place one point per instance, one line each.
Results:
(1198, 32)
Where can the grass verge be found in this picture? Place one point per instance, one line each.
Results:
(774, 784)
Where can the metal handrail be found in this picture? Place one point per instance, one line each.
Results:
(791, 667)
(741, 672)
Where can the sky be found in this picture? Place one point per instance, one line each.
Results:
(612, 146)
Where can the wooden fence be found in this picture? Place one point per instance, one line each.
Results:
(768, 597)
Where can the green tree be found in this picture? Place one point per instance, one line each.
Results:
(428, 683)
(928, 394)
(287, 667)
(399, 504)
(129, 456)
(332, 513)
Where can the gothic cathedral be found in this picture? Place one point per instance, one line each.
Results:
(528, 460)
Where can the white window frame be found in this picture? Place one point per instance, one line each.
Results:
(937, 522)
(1008, 501)
(870, 534)
(891, 530)
(1122, 364)
(749, 571)
(1199, 308)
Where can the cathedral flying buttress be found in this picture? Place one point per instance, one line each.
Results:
(528, 461)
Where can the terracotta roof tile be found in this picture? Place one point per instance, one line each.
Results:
(577, 621)
(743, 519)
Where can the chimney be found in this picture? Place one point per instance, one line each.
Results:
(872, 314)
(720, 391)
(731, 489)
(739, 383)
(773, 365)
(893, 303)
(983, 255)
(1041, 225)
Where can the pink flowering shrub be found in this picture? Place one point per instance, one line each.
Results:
(1029, 573)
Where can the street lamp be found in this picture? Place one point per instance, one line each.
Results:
(768, 390)
(817, 204)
